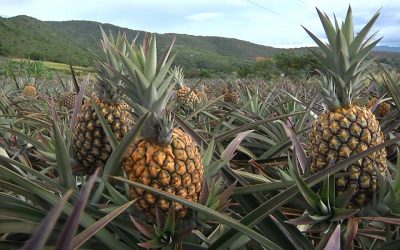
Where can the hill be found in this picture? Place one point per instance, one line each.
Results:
(24, 36)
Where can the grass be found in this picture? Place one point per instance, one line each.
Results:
(59, 67)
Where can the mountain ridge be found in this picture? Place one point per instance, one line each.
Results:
(25, 36)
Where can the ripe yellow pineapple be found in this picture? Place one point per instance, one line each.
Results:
(29, 90)
(165, 157)
(345, 129)
(90, 142)
(184, 94)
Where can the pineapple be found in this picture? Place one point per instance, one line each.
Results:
(68, 100)
(164, 157)
(345, 129)
(90, 142)
(29, 90)
(231, 96)
(382, 109)
(184, 94)
(200, 93)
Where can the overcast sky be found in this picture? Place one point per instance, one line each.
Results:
(274, 23)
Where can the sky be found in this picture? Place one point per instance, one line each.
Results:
(275, 23)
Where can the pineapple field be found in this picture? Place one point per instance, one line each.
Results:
(132, 154)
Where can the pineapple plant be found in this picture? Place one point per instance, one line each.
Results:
(231, 96)
(344, 128)
(29, 90)
(165, 157)
(90, 142)
(184, 95)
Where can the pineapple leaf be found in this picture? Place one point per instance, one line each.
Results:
(208, 212)
(144, 228)
(326, 50)
(347, 27)
(43, 231)
(78, 102)
(357, 44)
(334, 240)
(52, 198)
(340, 214)
(74, 79)
(309, 196)
(263, 188)
(229, 152)
(328, 27)
(266, 208)
(350, 232)
(302, 220)
(64, 241)
(134, 71)
(160, 82)
(343, 199)
(207, 156)
(293, 234)
(169, 226)
(116, 197)
(150, 67)
(298, 149)
(86, 234)
(164, 58)
(62, 154)
(328, 191)
(107, 130)
(54, 185)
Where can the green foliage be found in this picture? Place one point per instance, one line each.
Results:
(291, 64)
(295, 65)
(26, 37)
(265, 69)
(25, 68)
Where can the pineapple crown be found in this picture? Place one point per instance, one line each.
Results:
(148, 83)
(179, 76)
(201, 87)
(106, 91)
(343, 58)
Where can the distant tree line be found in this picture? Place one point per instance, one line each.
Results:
(290, 64)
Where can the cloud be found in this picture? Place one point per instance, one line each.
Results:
(204, 16)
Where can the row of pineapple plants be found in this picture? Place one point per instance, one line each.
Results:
(295, 182)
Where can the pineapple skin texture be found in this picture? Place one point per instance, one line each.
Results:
(29, 90)
(90, 142)
(68, 100)
(190, 100)
(338, 135)
(175, 168)
(231, 97)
